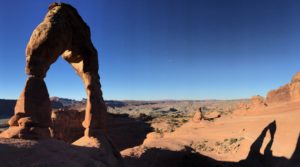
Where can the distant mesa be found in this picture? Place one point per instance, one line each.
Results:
(7, 105)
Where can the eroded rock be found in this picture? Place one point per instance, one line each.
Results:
(62, 32)
(258, 101)
(198, 116)
(66, 124)
(286, 93)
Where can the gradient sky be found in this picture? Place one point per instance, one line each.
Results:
(165, 49)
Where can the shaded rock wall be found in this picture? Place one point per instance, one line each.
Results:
(123, 131)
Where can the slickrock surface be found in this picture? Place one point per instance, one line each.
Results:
(269, 137)
(50, 153)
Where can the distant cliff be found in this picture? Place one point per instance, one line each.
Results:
(7, 108)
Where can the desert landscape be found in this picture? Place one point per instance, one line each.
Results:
(247, 132)
(152, 115)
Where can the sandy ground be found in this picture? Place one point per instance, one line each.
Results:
(272, 131)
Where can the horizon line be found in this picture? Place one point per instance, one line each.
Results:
(147, 100)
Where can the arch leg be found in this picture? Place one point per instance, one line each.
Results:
(96, 110)
(32, 115)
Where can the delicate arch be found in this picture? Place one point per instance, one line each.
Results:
(62, 32)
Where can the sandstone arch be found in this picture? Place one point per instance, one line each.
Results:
(62, 32)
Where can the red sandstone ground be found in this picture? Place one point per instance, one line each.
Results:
(230, 138)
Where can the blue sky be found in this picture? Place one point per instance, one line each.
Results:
(165, 49)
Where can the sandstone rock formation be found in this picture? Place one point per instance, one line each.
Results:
(62, 32)
(296, 77)
(258, 101)
(123, 131)
(295, 87)
(66, 124)
(281, 94)
(209, 116)
(198, 116)
(286, 93)
(55, 153)
(212, 115)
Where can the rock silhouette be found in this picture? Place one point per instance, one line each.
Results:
(62, 32)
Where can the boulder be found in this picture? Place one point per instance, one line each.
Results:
(198, 116)
(257, 101)
(25, 122)
(212, 115)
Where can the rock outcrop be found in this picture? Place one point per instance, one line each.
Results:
(257, 101)
(281, 94)
(286, 93)
(62, 32)
(66, 124)
(48, 153)
(198, 116)
(212, 115)
(295, 87)
(123, 131)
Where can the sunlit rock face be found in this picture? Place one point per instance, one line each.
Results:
(258, 101)
(288, 92)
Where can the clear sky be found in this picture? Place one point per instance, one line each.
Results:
(165, 49)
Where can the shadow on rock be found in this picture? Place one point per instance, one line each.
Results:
(126, 132)
(123, 131)
(48, 153)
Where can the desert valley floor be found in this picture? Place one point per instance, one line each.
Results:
(167, 133)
